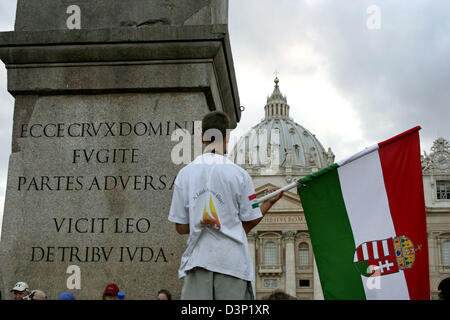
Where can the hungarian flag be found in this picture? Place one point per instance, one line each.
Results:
(366, 218)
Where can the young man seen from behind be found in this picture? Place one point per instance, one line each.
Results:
(214, 202)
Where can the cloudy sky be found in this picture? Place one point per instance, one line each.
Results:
(355, 72)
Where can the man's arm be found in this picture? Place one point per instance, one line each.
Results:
(266, 205)
(182, 228)
(179, 213)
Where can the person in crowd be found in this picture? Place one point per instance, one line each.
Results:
(111, 292)
(20, 290)
(66, 295)
(164, 294)
(214, 203)
(280, 295)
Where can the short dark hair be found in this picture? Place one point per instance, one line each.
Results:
(216, 120)
(280, 295)
(166, 292)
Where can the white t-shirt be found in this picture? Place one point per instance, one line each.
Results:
(214, 196)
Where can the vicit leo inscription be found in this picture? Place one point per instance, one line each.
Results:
(99, 225)
(102, 225)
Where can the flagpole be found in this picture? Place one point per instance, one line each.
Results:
(339, 164)
(273, 194)
(316, 174)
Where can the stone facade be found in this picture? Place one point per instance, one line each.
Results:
(281, 247)
(436, 184)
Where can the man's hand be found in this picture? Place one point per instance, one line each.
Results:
(276, 198)
(182, 228)
(265, 206)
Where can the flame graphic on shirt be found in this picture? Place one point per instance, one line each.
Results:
(208, 220)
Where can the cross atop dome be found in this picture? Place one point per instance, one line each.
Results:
(276, 73)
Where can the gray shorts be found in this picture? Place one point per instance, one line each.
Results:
(201, 284)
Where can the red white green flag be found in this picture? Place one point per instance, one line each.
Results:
(366, 218)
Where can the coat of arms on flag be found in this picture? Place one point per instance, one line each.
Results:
(383, 257)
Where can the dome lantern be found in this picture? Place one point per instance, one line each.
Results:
(276, 106)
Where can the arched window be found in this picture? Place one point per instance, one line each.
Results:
(444, 287)
(446, 253)
(303, 255)
(270, 253)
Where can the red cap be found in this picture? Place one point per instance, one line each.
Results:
(111, 289)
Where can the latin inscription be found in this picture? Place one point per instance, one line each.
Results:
(80, 159)
(95, 183)
(102, 129)
(97, 254)
(294, 219)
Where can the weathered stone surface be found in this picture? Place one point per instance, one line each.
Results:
(90, 175)
(154, 59)
(100, 14)
(95, 172)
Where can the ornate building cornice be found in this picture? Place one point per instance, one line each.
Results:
(438, 161)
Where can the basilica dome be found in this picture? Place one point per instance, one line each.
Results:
(278, 143)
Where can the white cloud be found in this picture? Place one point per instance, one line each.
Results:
(2, 199)
(7, 14)
(6, 118)
(364, 85)
(313, 2)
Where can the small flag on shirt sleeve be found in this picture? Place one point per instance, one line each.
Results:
(252, 198)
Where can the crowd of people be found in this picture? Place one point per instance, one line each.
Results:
(22, 291)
